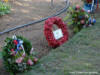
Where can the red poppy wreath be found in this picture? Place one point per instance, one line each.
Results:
(50, 36)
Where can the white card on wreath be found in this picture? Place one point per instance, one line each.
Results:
(58, 34)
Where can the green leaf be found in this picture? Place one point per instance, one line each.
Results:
(78, 23)
(76, 29)
(4, 8)
(70, 23)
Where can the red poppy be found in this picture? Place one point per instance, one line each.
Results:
(15, 42)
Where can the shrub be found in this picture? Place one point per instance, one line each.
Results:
(4, 8)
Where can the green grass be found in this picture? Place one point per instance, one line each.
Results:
(81, 53)
(0, 55)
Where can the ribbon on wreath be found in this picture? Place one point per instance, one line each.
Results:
(19, 44)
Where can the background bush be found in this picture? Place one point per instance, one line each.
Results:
(4, 8)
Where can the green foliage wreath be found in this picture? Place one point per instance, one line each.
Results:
(77, 18)
(18, 54)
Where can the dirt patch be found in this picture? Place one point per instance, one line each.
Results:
(25, 11)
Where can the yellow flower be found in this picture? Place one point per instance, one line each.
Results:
(6, 0)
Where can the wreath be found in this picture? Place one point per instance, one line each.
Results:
(18, 54)
(49, 33)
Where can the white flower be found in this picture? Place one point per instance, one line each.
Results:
(89, 11)
(31, 50)
(86, 16)
(21, 41)
(14, 37)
